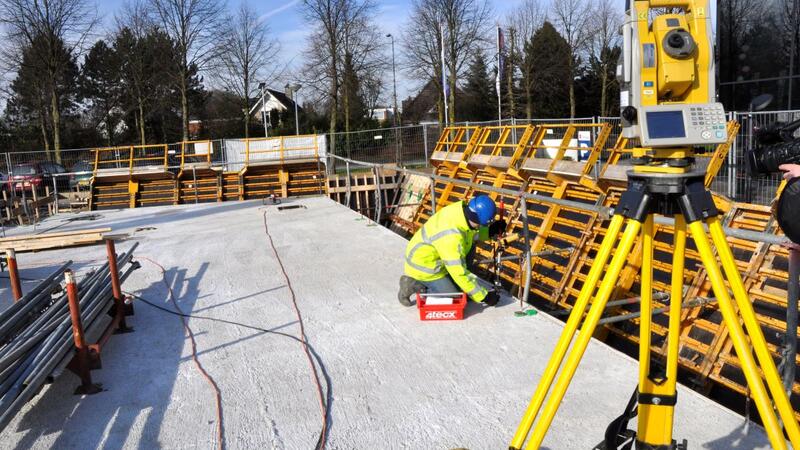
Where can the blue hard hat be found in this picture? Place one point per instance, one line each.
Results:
(481, 209)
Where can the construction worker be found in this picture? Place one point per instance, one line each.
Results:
(437, 254)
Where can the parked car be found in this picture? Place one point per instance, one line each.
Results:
(81, 175)
(31, 176)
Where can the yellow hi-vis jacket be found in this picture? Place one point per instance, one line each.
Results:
(440, 247)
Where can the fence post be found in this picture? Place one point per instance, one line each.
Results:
(398, 156)
(378, 205)
(55, 195)
(25, 203)
(425, 142)
(514, 129)
(347, 168)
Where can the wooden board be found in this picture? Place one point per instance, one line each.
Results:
(34, 242)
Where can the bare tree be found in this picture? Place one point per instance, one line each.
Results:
(572, 19)
(194, 26)
(605, 22)
(524, 20)
(343, 43)
(362, 62)
(464, 23)
(44, 27)
(246, 53)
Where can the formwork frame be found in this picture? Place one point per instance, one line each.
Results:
(455, 144)
(706, 349)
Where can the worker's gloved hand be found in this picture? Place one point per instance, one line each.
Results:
(491, 298)
(497, 228)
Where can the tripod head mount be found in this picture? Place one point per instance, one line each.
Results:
(667, 89)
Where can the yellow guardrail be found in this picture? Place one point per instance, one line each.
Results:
(196, 157)
(127, 158)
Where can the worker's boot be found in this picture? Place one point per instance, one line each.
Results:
(408, 287)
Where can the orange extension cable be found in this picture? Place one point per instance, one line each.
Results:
(304, 340)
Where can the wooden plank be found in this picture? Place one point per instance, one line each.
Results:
(52, 235)
(52, 243)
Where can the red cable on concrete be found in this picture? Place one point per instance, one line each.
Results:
(209, 379)
(304, 340)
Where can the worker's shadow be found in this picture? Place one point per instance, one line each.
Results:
(139, 373)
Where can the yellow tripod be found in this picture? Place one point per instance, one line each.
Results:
(683, 196)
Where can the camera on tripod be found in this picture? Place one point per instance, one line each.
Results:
(777, 145)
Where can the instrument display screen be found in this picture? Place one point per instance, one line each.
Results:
(665, 124)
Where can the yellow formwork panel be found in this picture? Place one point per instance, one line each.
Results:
(706, 351)
(455, 144)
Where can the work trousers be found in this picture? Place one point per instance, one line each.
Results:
(446, 285)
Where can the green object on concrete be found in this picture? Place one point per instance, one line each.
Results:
(527, 312)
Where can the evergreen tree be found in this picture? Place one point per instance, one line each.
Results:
(35, 96)
(548, 56)
(479, 101)
(100, 87)
(151, 100)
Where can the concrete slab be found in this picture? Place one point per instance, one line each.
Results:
(397, 382)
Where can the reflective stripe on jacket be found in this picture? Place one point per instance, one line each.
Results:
(440, 247)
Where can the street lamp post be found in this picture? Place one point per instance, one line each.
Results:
(294, 88)
(394, 112)
(394, 81)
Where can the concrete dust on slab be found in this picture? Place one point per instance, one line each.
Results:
(396, 382)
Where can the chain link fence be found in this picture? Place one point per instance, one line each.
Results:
(409, 146)
(412, 146)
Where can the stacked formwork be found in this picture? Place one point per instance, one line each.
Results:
(199, 180)
(131, 176)
(565, 240)
(188, 172)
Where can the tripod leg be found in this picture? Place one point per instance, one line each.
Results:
(571, 326)
(646, 303)
(598, 305)
(757, 340)
(657, 391)
(737, 335)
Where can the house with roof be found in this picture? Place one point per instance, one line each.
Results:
(273, 100)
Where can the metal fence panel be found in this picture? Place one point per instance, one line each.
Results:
(405, 146)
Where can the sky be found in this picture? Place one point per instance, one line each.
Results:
(287, 24)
